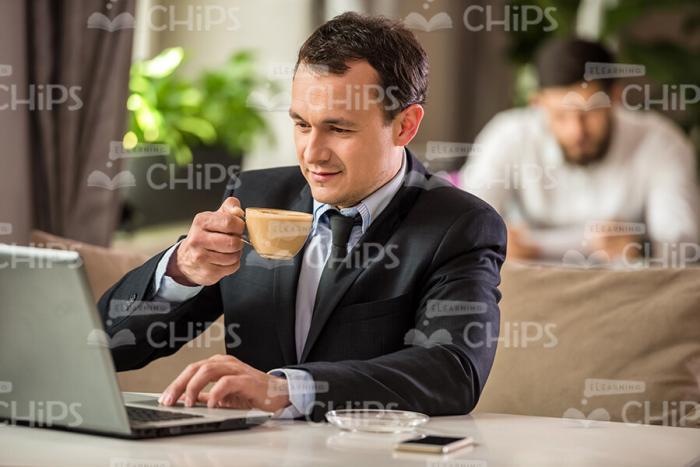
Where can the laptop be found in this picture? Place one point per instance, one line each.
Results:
(56, 368)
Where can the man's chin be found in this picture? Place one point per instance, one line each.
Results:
(325, 194)
(580, 157)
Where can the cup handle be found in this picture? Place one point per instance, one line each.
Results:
(244, 238)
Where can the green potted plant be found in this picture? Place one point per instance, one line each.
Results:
(225, 94)
(183, 130)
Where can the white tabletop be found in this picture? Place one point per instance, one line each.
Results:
(500, 440)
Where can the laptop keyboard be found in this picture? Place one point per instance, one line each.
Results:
(138, 414)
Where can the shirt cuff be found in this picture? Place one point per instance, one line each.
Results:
(302, 392)
(166, 288)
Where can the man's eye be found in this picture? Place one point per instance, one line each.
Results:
(339, 130)
(301, 125)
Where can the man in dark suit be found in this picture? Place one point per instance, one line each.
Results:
(392, 303)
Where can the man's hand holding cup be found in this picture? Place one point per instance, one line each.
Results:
(213, 246)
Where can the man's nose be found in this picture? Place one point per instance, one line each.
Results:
(577, 126)
(316, 150)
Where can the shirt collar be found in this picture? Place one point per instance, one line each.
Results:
(370, 207)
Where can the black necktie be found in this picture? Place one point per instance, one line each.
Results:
(341, 228)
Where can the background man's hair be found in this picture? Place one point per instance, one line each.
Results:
(562, 62)
(387, 45)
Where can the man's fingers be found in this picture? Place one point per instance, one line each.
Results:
(230, 401)
(221, 259)
(213, 247)
(220, 242)
(173, 392)
(222, 357)
(224, 392)
(231, 206)
(207, 373)
(224, 223)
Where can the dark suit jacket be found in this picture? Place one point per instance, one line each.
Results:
(378, 337)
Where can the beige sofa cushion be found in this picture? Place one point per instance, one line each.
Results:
(104, 267)
(569, 339)
(598, 344)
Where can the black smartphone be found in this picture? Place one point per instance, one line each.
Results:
(434, 444)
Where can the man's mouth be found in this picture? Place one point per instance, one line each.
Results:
(323, 176)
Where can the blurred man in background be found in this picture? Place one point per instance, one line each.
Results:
(574, 172)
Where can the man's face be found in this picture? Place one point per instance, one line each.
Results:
(580, 119)
(346, 149)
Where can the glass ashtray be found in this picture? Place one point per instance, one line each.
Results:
(376, 421)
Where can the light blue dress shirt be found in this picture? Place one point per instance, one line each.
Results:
(300, 383)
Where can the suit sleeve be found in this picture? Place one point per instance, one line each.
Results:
(154, 328)
(458, 317)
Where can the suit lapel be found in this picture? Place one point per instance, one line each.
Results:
(286, 278)
(335, 283)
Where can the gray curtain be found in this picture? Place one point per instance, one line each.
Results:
(55, 149)
(15, 189)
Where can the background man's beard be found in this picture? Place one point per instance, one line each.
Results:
(591, 157)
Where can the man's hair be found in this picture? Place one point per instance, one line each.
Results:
(387, 45)
(562, 62)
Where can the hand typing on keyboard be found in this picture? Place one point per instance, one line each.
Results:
(237, 386)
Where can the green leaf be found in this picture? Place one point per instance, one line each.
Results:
(198, 127)
(164, 63)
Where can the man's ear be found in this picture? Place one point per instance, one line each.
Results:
(406, 124)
